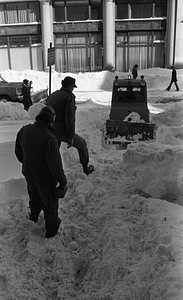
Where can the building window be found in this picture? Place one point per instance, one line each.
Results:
(138, 9)
(122, 9)
(78, 52)
(160, 8)
(34, 12)
(59, 11)
(3, 42)
(19, 41)
(77, 10)
(2, 14)
(141, 9)
(95, 9)
(25, 12)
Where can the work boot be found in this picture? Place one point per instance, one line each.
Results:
(88, 169)
(52, 228)
(33, 218)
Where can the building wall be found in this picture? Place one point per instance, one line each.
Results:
(20, 35)
(142, 34)
(178, 60)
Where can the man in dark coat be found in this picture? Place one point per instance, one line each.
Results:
(37, 149)
(26, 88)
(173, 79)
(135, 71)
(64, 104)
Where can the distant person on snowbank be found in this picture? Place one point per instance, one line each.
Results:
(135, 71)
(26, 89)
(64, 104)
(37, 149)
(173, 79)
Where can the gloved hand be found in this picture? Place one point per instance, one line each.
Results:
(61, 191)
(70, 143)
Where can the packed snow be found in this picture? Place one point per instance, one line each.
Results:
(121, 232)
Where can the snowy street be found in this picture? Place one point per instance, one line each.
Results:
(121, 231)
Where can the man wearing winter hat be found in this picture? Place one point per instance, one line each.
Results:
(64, 104)
(37, 149)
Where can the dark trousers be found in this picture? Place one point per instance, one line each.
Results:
(81, 146)
(176, 85)
(43, 197)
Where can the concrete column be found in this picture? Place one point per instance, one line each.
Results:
(170, 33)
(109, 34)
(178, 61)
(47, 30)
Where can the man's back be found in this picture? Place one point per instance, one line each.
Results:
(63, 102)
(37, 149)
(174, 75)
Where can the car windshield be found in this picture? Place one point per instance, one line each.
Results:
(2, 80)
(129, 94)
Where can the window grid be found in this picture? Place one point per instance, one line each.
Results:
(77, 10)
(19, 13)
(19, 41)
(127, 9)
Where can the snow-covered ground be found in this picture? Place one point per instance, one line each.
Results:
(121, 233)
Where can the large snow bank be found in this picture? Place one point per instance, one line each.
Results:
(156, 78)
(12, 111)
(155, 170)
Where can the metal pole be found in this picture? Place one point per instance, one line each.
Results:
(50, 75)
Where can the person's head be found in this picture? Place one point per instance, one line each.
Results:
(69, 83)
(47, 115)
(136, 66)
(25, 82)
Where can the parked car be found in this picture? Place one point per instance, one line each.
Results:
(12, 91)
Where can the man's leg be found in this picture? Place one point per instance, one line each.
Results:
(177, 87)
(59, 143)
(169, 87)
(35, 203)
(50, 208)
(80, 144)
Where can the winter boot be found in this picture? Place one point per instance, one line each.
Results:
(52, 227)
(33, 218)
(88, 169)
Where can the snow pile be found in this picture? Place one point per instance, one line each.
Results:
(12, 111)
(173, 116)
(134, 118)
(112, 245)
(156, 78)
(155, 170)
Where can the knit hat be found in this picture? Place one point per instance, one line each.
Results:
(69, 80)
(46, 114)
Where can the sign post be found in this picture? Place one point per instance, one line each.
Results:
(51, 61)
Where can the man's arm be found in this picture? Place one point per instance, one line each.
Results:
(70, 116)
(18, 148)
(54, 161)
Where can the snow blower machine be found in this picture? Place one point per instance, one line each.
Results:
(129, 115)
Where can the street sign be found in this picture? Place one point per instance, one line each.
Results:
(51, 56)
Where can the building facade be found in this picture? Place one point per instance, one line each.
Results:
(91, 35)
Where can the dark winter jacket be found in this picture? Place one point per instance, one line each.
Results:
(37, 149)
(174, 75)
(27, 102)
(134, 73)
(64, 104)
